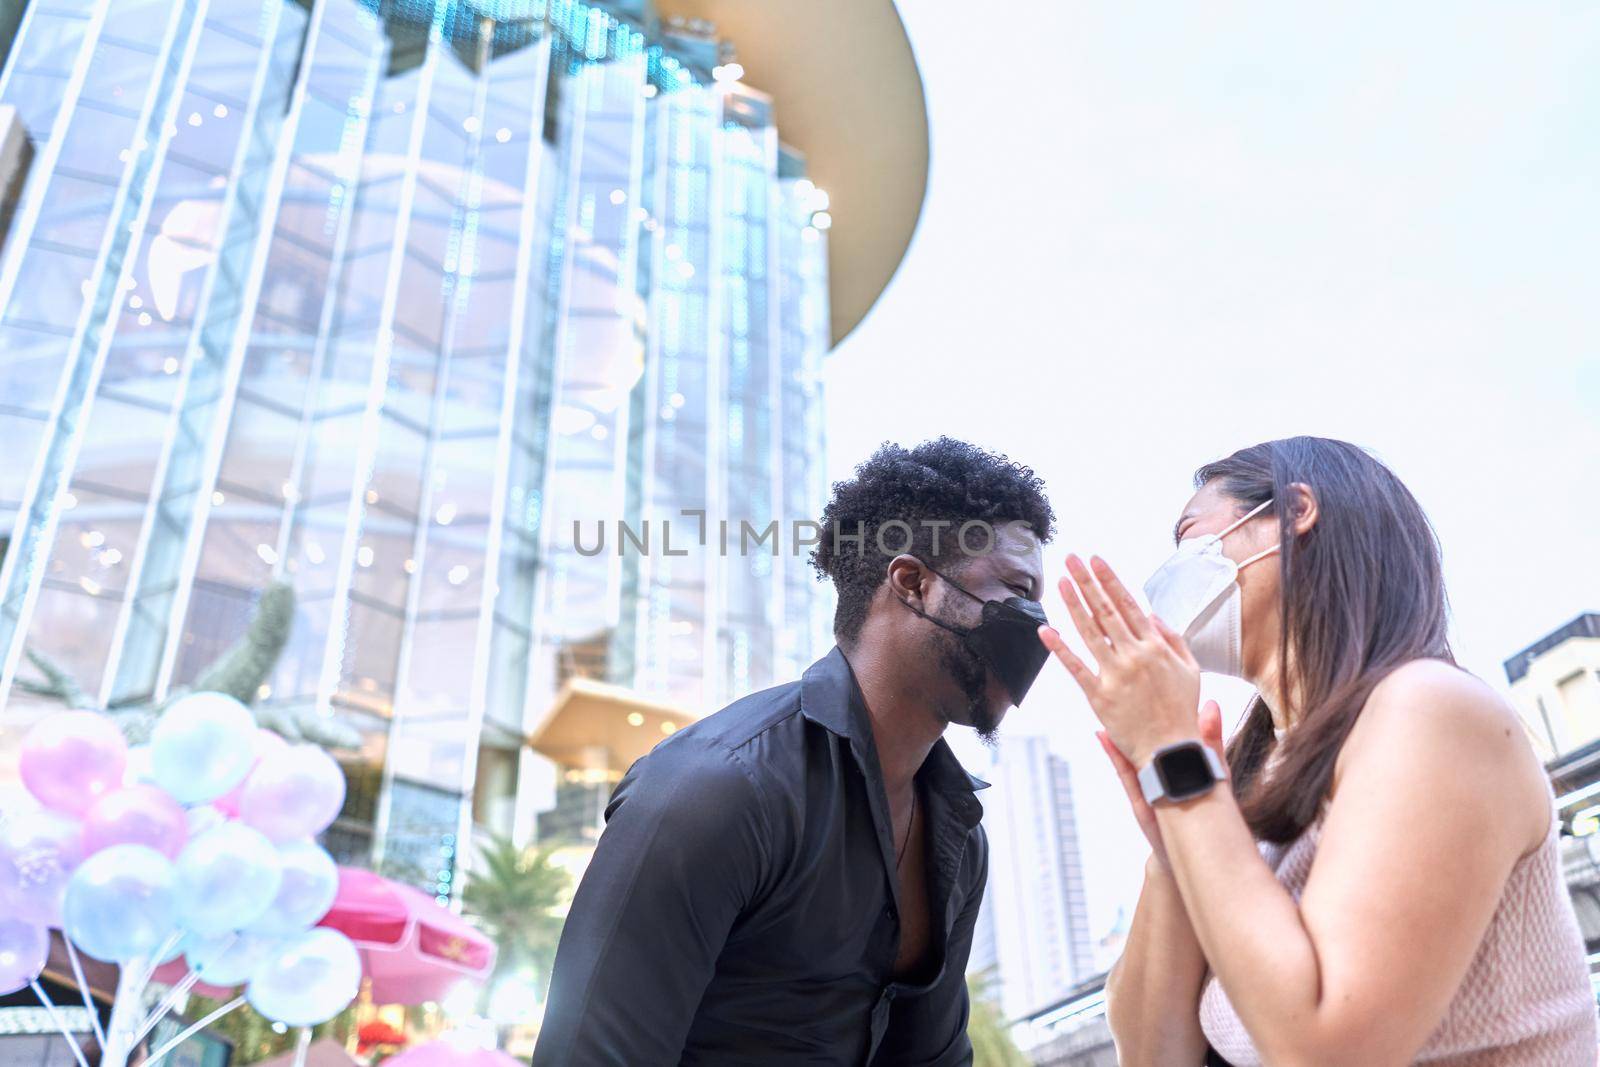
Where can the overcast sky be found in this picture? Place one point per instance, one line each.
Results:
(1154, 236)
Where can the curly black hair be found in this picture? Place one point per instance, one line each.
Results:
(942, 480)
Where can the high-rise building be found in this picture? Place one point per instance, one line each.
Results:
(397, 301)
(1035, 900)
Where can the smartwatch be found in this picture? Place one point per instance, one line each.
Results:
(1181, 771)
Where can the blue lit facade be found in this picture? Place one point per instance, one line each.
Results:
(380, 299)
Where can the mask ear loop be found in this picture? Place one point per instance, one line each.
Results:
(1258, 509)
(1263, 554)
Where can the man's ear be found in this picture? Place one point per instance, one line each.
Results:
(908, 580)
(1303, 508)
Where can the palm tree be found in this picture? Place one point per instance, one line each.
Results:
(515, 896)
(986, 1028)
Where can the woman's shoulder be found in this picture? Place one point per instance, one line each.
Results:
(1451, 724)
(1434, 696)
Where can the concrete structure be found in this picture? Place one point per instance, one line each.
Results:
(1555, 683)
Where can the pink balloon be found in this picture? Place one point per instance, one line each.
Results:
(267, 743)
(293, 793)
(72, 758)
(23, 951)
(137, 815)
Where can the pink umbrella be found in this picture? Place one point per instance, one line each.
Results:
(444, 1054)
(412, 949)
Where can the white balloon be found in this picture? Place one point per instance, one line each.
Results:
(120, 903)
(310, 882)
(202, 746)
(293, 793)
(228, 959)
(226, 879)
(308, 981)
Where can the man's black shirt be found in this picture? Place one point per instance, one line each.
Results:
(741, 906)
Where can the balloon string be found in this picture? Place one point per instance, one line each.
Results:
(124, 1002)
(161, 1052)
(157, 958)
(83, 990)
(60, 1024)
(168, 1002)
(302, 1046)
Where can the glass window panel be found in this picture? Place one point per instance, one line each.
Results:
(259, 454)
(440, 679)
(276, 369)
(382, 573)
(121, 446)
(23, 437)
(474, 394)
(420, 306)
(76, 212)
(463, 481)
(73, 627)
(413, 376)
(235, 535)
(50, 288)
(396, 482)
(452, 571)
(371, 655)
(34, 363)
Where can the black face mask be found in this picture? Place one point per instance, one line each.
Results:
(1006, 639)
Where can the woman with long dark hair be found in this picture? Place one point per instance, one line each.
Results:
(1368, 874)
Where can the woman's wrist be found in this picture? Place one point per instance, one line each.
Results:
(1157, 867)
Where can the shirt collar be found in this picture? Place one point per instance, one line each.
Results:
(831, 698)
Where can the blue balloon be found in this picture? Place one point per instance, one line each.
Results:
(308, 981)
(120, 903)
(310, 882)
(226, 879)
(228, 959)
(202, 746)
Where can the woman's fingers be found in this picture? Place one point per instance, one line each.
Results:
(1087, 680)
(1108, 618)
(1133, 616)
(1082, 620)
(1174, 641)
(1211, 726)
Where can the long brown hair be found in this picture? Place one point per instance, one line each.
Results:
(1362, 594)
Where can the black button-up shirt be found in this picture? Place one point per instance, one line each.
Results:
(742, 904)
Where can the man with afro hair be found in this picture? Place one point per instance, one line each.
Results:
(795, 879)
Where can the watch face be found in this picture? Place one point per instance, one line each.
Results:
(1184, 772)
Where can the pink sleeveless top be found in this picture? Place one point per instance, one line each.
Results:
(1525, 1000)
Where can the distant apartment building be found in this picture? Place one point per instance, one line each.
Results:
(1036, 909)
(1555, 683)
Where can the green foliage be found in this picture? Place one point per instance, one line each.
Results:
(986, 1028)
(513, 895)
(248, 662)
(239, 672)
(253, 1037)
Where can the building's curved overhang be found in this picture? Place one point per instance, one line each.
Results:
(847, 93)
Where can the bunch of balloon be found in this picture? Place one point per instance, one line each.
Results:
(199, 844)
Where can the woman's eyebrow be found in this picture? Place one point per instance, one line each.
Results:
(1177, 527)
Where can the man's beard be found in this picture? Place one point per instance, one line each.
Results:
(971, 677)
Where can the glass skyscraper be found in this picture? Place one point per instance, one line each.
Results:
(382, 300)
